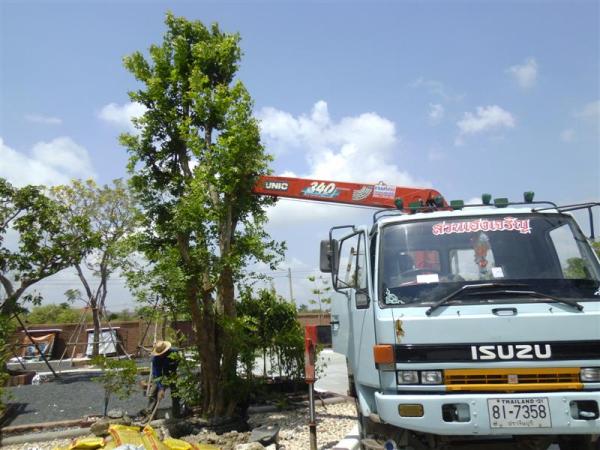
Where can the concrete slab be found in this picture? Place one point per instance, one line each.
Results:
(350, 442)
(332, 373)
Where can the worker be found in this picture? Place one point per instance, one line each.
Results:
(164, 368)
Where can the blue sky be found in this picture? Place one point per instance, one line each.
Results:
(462, 96)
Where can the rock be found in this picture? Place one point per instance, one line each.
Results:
(100, 427)
(250, 446)
(266, 434)
(115, 414)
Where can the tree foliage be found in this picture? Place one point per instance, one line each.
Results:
(6, 330)
(193, 163)
(322, 294)
(113, 216)
(61, 313)
(46, 242)
(269, 328)
(118, 377)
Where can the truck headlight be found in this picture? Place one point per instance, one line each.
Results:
(407, 377)
(590, 374)
(431, 377)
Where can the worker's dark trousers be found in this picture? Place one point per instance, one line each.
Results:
(153, 399)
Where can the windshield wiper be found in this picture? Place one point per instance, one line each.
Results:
(470, 287)
(539, 295)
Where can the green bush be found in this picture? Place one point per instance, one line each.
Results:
(269, 327)
(118, 377)
(6, 330)
(62, 313)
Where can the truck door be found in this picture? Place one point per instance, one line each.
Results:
(354, 309)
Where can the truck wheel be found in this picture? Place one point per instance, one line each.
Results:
(576, 442)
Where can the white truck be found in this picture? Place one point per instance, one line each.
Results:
(469, 323)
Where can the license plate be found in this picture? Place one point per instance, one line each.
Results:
(519, 412)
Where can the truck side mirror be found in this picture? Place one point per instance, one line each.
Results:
(329, 255)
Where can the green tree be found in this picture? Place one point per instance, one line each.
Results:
(46, 243)
(117, 378)
(62, 313)
(113, 217)
(6, 330)
(321, 290)
(194, 163)
(596, 247)
(270, 328)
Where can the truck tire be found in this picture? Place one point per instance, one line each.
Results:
(576, 442)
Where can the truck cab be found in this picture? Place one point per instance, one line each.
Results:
(469, 323)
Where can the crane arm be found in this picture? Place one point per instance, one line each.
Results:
(378, 195)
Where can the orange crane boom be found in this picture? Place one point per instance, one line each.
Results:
(378, 195)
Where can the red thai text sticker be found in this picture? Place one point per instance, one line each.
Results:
(473, 226)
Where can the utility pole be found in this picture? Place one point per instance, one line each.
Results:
(290, 280)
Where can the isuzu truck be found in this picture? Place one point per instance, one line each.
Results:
(474, 325)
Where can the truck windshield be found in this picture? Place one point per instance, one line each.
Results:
(423, 261)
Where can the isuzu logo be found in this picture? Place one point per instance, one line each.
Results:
(510, 351)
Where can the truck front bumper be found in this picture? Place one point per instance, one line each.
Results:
(477, 422)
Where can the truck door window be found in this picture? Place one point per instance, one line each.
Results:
(362, 295)
(572, 263)
(347, 268)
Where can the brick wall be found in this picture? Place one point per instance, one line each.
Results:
(130, 333)
(313, 319)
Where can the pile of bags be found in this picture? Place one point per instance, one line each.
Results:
(123, 437)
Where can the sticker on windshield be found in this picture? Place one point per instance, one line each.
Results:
(392, 299)
(428, 278)
(497, 272)
(473, 226)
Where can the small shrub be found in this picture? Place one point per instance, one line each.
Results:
(118, 377)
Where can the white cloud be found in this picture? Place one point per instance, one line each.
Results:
(344, 151)
(435, 87)
(360, 148)
(50, 163)
(567, 135)
(46, 120)
(122, 115)
(486, 118)
(436, 113)
(590, 110)
(525, 74)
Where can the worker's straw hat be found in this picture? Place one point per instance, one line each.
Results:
(160, 347)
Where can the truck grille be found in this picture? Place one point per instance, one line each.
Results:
(513, 380)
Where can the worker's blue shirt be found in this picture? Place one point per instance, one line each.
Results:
(163, 366)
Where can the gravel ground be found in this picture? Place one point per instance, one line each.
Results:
(333, 423)
(72, 397)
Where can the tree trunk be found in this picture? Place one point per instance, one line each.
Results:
(93, 301)
(11, 301)
(229, 352)
(97, 335)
